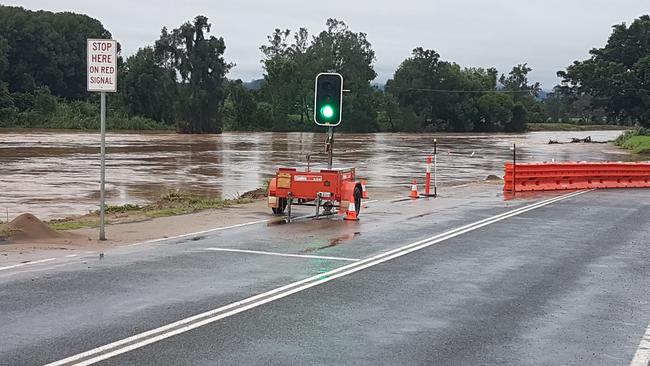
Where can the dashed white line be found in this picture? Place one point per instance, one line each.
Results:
(642, 356)
(27, 263)
(281, 254)
(181, 326)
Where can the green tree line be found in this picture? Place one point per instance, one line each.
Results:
(180, 82)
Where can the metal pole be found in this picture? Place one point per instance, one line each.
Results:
(435, 168)
(514, 168)
(102, 208)
(330, 151)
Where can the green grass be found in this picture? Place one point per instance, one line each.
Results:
(172, 203)
(178, 203)
(572, 127)
(636, 140)
(73, 224)
(638, 144)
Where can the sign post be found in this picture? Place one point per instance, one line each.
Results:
(102, 77)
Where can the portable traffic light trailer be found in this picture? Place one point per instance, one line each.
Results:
(327, 188)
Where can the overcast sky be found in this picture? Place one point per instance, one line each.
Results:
(548, 34)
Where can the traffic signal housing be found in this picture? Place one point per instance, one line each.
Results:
(328, 99)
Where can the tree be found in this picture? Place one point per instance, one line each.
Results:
(441, 94)
(4, 61)
(517, 81)
(46, 49)
(202, 69)
(280, 88)
(495, 110)
(616, 76)
(518, 121)
(292, 63)
(147, 88)
(244, 107)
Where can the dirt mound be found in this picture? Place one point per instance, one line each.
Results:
(28, 226)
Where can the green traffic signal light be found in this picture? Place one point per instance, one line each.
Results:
(328, 99)
(327, 111)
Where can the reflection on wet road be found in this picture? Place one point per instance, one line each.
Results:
(54, 174)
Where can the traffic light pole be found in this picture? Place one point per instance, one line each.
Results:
(330, 147)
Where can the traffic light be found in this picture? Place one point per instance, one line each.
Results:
(328, 99)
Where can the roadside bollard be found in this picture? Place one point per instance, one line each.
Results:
(432, 160)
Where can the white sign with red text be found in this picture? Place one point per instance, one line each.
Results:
(102, 65)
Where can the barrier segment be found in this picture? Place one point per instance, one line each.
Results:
(577, 175)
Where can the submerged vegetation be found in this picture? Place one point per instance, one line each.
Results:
(573, 127)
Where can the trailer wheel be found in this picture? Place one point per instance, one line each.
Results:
(358, 193)
(282, 205)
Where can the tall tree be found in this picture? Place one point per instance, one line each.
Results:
(350, 53)
(441, 94)
(616, 76)
(244, 107)
(147, 88)
(47, 49)
(291, 64)
(198, 59)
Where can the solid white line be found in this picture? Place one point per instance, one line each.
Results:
(27, 263)
(642, 355)
(70, 256)
(281, 254)
(289, 289)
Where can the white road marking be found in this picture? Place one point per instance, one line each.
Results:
(163, 239)
(27, 263)
(196, 321)
(281, 254)
(199, 232)
(642, 355)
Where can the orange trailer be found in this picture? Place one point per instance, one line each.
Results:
(327, 188)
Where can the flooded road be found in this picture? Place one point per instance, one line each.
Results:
(56, 174)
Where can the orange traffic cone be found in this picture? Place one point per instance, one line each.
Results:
(414, 190)
(351, 213)
(363, 189)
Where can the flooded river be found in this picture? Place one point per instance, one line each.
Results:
(56, 174)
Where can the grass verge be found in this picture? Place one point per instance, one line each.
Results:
(636, 140)
(171, 203)
(638, 144)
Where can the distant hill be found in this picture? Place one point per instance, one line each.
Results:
(254, 84)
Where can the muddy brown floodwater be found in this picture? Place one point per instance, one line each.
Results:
(56, 174)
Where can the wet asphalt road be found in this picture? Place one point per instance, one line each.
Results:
(566, 284)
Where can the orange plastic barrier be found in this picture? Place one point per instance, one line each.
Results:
(559, 176)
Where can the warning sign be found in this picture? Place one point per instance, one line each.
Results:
(102, 65)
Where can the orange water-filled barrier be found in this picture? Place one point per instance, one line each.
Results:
(558, 176)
